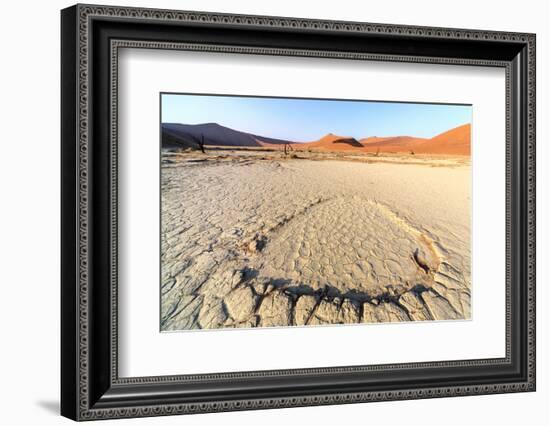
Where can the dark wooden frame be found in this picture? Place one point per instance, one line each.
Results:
(91, 37)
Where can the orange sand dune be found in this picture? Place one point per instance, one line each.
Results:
(391, 144)
(452, 142)
(331, 142)
(373, 139)
(456, 141)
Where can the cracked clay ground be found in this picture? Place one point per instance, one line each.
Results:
(260, 242)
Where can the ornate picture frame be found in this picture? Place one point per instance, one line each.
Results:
(91, 37)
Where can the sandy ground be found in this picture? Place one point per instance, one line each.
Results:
(258, 239)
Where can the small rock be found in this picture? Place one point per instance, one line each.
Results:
(425, 260)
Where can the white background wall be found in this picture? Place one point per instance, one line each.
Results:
(29, 211)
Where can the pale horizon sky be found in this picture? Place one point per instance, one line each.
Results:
(303, 120)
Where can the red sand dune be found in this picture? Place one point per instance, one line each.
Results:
(452, 142)
(331, 142)
(391, 144)
(456, 141)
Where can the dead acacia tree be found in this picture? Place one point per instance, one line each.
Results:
(287, 150)
(201, 144)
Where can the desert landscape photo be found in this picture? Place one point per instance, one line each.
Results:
(283, 212)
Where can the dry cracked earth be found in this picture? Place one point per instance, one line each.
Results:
(263, 242)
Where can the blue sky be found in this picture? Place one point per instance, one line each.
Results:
(305, 120)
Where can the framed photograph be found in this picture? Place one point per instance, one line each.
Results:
(263, 212)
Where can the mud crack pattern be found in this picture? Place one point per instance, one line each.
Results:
(248, 243)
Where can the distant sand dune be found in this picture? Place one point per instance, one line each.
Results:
(392, 144)
(188, 136)
(452, 142)
(331, 142)
(456, 141)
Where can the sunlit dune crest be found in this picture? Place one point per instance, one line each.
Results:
(455, 141)
(332, 142)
